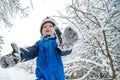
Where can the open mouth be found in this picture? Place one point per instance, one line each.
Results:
(47, 31)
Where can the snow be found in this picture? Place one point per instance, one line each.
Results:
(15, 74)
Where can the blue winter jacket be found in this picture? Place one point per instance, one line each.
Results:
(49, 64)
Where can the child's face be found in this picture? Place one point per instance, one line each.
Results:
(48, 29)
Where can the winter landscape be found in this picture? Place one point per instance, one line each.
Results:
(95, 56)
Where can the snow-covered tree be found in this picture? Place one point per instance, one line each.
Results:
(98, 25)
(1, 42)
(9, 9)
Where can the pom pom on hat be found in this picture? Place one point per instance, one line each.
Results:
(47, 19)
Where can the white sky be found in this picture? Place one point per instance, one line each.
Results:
(25, 31)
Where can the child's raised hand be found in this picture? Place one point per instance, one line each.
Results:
(69, 38)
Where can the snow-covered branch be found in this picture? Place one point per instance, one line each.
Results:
(83, 77)
(76, 59)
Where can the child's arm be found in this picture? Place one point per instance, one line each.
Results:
(29, 52)
(18, 55)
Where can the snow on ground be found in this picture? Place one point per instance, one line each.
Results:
(15, 74)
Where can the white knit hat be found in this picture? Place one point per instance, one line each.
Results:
(47, 19)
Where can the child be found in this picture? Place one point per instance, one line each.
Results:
(48, 51)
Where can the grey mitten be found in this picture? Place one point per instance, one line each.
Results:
(11, 59)
(69, 38)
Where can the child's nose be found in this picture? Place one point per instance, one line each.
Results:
(48, 27)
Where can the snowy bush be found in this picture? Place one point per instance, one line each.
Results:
(98, 25)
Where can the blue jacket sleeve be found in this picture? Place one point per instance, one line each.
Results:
(64, 53)
(29, 52)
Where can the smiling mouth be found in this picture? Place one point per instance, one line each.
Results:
(47, 31)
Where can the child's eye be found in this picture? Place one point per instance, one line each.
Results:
(44, 26)
(51, 26)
